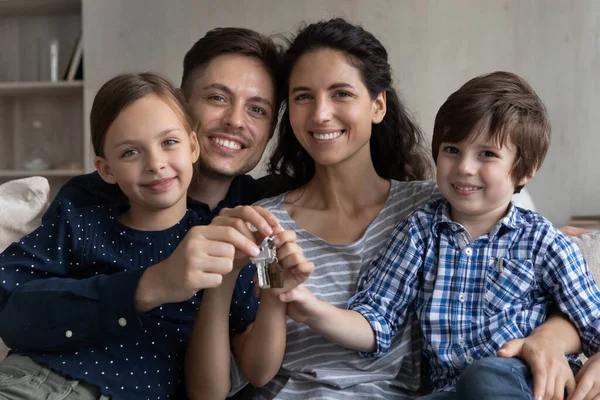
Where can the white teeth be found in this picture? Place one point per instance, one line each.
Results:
(230, 144)
(327, 136)
(467, 188)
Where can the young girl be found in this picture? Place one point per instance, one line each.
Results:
(143, 142)
(109, 341)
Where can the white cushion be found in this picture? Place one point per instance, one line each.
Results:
(22, 203)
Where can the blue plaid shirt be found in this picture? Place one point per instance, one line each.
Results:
(473, 296)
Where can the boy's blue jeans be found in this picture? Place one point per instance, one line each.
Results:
(491, 378)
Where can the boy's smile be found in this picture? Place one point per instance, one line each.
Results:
(475, 177)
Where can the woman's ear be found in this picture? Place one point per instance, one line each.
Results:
(104, 169)
(195, 146)
(379, 108)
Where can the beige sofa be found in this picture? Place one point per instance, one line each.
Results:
(23, 201)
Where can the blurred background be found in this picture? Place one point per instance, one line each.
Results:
(434, 47)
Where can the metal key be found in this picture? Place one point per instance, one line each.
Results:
(270, 273)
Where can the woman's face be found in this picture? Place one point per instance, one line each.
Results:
(331, 110)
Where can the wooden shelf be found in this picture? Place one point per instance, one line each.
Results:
(20, 173)
(40, 88)
(11, 8)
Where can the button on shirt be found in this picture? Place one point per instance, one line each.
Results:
(471, 298)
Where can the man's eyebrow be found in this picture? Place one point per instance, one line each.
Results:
(262, 100)
(224, 88)
(219, 86)
(336, 85)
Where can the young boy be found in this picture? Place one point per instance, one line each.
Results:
(478, 270)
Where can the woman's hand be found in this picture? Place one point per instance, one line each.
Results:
(296, 268)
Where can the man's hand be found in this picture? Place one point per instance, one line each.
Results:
(548, 364)
(588, 380)
(199, 262)
(242, 218)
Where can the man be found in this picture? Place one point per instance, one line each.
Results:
(229, 84)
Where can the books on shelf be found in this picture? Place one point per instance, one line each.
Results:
(74, 68)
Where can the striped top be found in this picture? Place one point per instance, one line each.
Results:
(314, 367)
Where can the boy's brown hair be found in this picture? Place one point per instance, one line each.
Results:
(502, 105)
(122, 91)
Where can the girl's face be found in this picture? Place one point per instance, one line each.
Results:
(149, 153)
(331, 111)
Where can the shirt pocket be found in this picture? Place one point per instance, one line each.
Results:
(510, 283)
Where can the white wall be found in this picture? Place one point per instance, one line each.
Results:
(434, 47)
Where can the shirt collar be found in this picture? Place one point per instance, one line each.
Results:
(512, 220)
(244, 190)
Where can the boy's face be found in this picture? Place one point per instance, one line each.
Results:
(475, 177)
(149, 154)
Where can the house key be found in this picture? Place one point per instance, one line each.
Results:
(270, 273)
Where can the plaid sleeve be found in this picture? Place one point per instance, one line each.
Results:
(390, 284)
(568, 278)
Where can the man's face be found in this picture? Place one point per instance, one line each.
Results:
(232, 102)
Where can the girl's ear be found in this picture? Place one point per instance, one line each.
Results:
(104, 169)
(379, 108)
(195, 146)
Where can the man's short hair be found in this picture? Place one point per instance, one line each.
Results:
(501, 105)
(221, 41)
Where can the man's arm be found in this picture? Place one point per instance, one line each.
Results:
(86, 190)
(43, 308)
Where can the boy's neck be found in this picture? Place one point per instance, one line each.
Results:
(209, 191)
(479, 224)
(142, 219)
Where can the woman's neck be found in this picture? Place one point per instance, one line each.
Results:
(345, 186)
(142, 219)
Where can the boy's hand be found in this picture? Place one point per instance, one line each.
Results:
(588, 380)
(548, 365)
(302, 306)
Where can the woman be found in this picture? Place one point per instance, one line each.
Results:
(349, 159)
